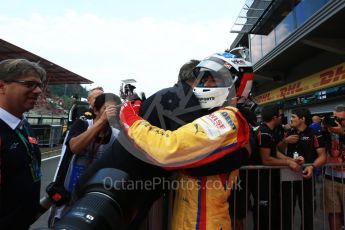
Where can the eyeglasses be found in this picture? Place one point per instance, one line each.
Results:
(29, 84)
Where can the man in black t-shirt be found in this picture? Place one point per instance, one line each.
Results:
(21, 82)
(310, 149)
(268, 181)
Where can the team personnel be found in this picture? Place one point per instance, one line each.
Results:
(310, 148)
(267, 140)
(222, 132)
(21, 82)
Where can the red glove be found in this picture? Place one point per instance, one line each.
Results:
(129, 113)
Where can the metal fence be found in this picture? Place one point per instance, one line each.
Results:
(264, 197)
(278, 198)
(47, 120)
(50, 130)
(48, 135)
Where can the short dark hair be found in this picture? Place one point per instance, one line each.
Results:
(303, 112)
(14, 69)
(268, 112)
(186, 71)
(104, 97)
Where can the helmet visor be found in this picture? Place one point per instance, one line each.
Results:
(214, 74)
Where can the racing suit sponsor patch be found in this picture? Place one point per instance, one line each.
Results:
(215, 125)
(154, 129)
(228, 119)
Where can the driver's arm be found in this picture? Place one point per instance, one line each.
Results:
(213, 135)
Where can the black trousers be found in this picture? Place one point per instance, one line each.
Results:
(265, 189)
(291, 192)
(239, 197)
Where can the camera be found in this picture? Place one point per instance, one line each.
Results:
(128, 92)
(330, 121)
(57, 195)
(103, 203)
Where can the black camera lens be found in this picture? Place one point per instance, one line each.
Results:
(102, 206)
(93, 211)
(330, 121)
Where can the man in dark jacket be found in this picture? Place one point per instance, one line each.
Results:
(169, 108)
(21, 82)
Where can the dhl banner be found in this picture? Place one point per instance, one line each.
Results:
(321, 80)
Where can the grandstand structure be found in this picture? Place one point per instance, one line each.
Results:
(55, 73)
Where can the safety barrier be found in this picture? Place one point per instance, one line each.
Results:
(50, 130)
(48, 135)
(47, 120)
(278, 198)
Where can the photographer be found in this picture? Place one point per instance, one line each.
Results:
(334, 176)
(87, 140)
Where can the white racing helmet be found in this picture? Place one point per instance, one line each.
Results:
(232, 77)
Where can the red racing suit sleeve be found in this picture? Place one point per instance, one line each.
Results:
(204, 140)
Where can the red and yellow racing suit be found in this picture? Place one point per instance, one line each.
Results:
(200, 202)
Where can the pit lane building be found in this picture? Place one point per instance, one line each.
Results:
(298, 51)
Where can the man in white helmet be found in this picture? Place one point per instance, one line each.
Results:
(169, 109)
(200, 202)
